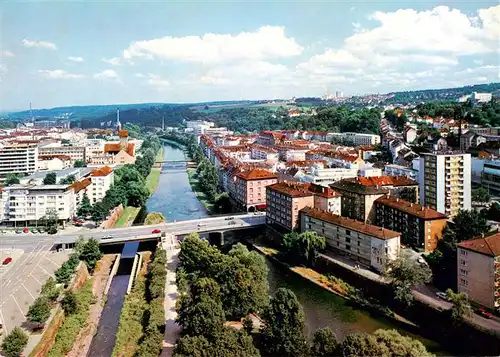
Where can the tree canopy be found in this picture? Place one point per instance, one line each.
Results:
(50, 179)
(14, 343)
(302, 248)
(11, 179)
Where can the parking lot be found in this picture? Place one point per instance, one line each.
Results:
(22, 279)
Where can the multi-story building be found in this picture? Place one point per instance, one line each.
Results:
(250, 189)
(445, 181)
(51, 163)
(491, 176)
(261, 152)
(399, 170)
(478, 269)
(370, 245)
(324, 176)
(101, 181)
(29, 204)
(37, 178)
(357, 138)
(269, 138)
(198, 127)
(420, 227)
(116, 153)
(18, 158)
(54, 149)
(326, 199)
(284, 200)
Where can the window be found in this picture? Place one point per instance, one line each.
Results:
(462, 262)
(348, 240)
(464, 282)
(463, 252)
(348, 247)
(347, 232)
(464, 272)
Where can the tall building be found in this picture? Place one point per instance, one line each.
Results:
(18, 158)
(445, 181)
(491, 176)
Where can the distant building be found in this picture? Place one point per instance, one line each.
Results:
(471, 139)
(18, 158)
(399, 170)
(357, 138)
(478, 269)
(54, 162)
(199, 126)
(76, 153)
(120, 153)
(491, 176)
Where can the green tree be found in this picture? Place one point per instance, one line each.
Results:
(461, 308)
(14, 343)
(493, 212)
(480, 195)
(324, 343)
(137, 194)
(362, 344)
(50, 290)
(398, 345)
(68, 180)
(39, 311)
(69, 303)
(50, 179)
(154, 218)
(85, 208)
(302, 248)
(283, 334)
(50, 220)
(196, 254)
(91, 253)
(116, 195)
(406, 273)
(99, 212)
(80, 163)
(11, 179)
(223, 203)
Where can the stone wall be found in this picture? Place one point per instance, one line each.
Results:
(113, 217)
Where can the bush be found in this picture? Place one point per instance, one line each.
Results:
(39, 311)
(14, 343)
(69, 303)
(50, 290)
(66, 271)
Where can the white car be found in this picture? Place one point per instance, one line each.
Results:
(109, 236)
(443, 296)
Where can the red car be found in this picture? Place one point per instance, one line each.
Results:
(25, 230)
(7, 261)
(484, 313)
(156, 231)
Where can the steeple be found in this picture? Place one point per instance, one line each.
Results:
(118, 124)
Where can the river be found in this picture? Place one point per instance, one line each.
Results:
(176, 201)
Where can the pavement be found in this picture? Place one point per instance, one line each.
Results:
(22, 280)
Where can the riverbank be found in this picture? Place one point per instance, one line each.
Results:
(199, 193)
(173, 143)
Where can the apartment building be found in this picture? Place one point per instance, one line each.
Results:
(261, 152)
(27, 205)
(420, 227)
(478, 269)
(18, 158)
(80, 188)
(38, 177)
(198, 127)
(357, 138)
(55, 149)
(326, 199)
(284, 200)
(445, 181)
(101, 181)
(51, 163)
(490, 178)
(325, 176)
(270, 138)
(369, 245)
(399, 170)
(250, 189)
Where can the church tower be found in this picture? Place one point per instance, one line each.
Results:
(118, 124)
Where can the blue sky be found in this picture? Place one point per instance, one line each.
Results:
(108, 52)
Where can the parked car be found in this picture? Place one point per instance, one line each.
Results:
(6, 261)
(443, 296)
(231, 223)
(34, 230)
(229, 218)
(26, 230)
(484, 313)
(109, 236)
(156, 231)
(18, 231)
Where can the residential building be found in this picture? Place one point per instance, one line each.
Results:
(55, 149)
(326, 199)
(324, 176)
(491, 176)
(18, 158)
(101, 181)
(399, 170)
(421, 227)
(370, 245)
(471, 139)
(80, 188)
(478, 269)
(56, 162)
(445, 181)
(37, 178)
(357, 138)
(283, 202)
(116, 153)
(269, 138)
(410, 133)
(198, 127)
(261, 152)
(250, 189)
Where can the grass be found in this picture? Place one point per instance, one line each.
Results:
(130, 328)
(159, 154)
(73, 323)
(152, 180)
(195, 187)
(129, 213)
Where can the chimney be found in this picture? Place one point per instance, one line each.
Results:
(411, 204)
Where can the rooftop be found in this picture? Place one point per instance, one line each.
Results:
(123, 133)
(80, 185)
(102, 171)
(292, 189)
(410, 208)
(358, 226)
(256, 174)
(351, 185)
(487, 244)
(384, 181)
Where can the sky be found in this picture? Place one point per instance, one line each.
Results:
(110, 52)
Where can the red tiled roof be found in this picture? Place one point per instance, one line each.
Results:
(123, 133)
(305, 163)
(410, 208)
(384, 181)
(487, 245)
(256, 174)
(291, 189)
(115, 147)
(80, 185)
(374, 231)
(102, 171)
(323, 191)
(263, 148)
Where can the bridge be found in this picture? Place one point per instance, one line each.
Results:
(218, 224)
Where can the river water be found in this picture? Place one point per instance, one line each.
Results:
(175, 200)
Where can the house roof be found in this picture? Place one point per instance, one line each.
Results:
(410, 208)
(358, 226)
(102, 171)
(384, 181)
(263, 148)
(323, 191)
(80, 185)
(292, 189)
(256, 174)
(487, 245)
(351, 185)
(123, 133)
(115, 148)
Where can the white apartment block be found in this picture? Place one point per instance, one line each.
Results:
(18, 158)
(54, 149)
(445, 181)
(398, 170)
(260, 152)
(358, 138)
(101, 181)
(491, 176)
(370, 245)
(199, 126)
(324, 177)
(28, 204)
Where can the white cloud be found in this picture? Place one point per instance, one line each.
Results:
(107, 74)
(59, 74)
(6, 54)
(114, 61)
(75, 59)
(265, 42)
(39, 44)
(3, 68)
(248, 71)
(139, 75)
(157, 81)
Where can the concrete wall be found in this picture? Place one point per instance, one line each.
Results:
(113, 217)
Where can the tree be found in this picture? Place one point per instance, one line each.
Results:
(50, 179)
(91, 253)
(85, 208)
(480, 195)
(116, 195)
(461, 308)
(69, 303)
(137, 194)
(362, 344)
(11, 179)
(39, 311)
(99, 212)
(80, 163)
(70, 179)
(14, 343)
(50, 289)
(493, 212)
(193, 346)
(283, 334)
(50, 220)
(324, 343)
(302, 248)
(397, 345)
(154, 218)
(223, 203)
(196, 254)
(405, 273)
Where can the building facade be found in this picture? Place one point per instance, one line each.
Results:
(478, 270)
(101, 181)
(370, 245)
(74, 152)
(490, 178)
(18, 158)
(250, 189)
(445, 181)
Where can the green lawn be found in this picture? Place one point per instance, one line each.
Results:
(159, 155)
(195, 187)
(128, 214)
(152, 180)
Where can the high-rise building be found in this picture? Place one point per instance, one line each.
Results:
(18, 158)
(445, 181)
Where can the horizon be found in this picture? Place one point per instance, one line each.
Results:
(74, 54)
